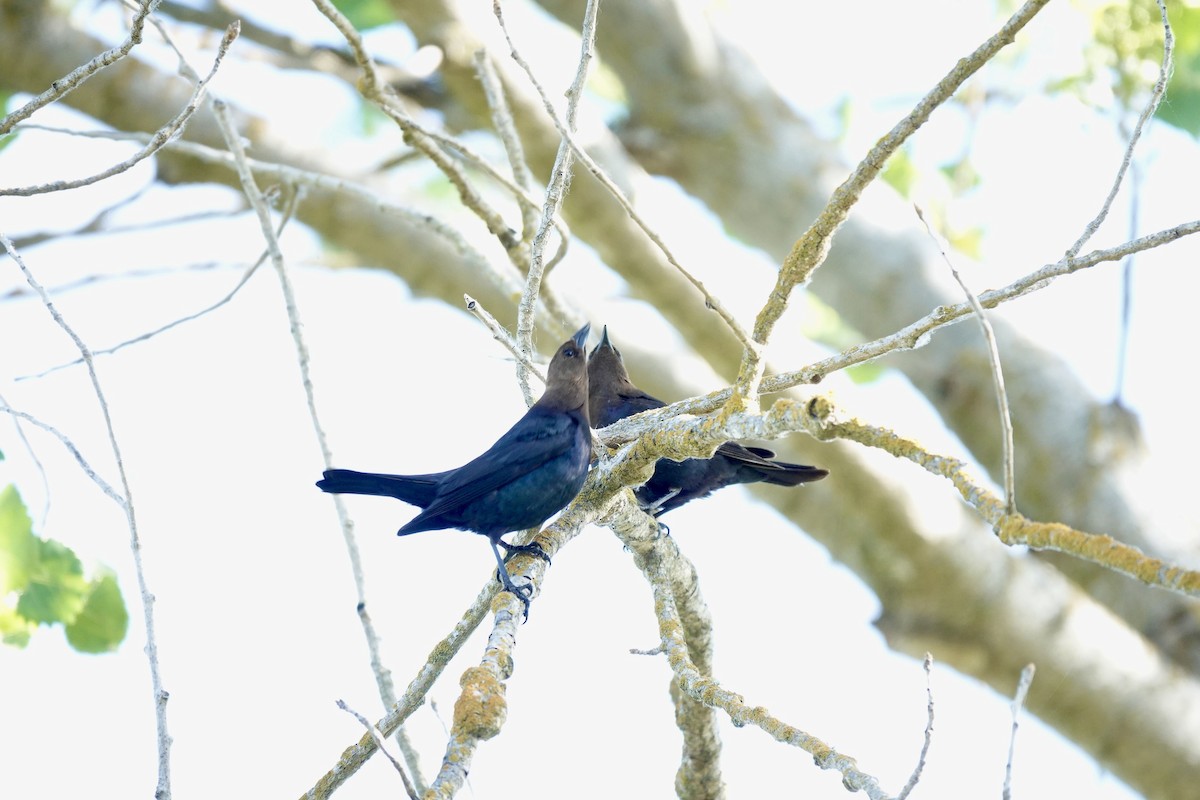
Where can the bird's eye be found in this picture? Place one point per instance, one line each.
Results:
(570, 352)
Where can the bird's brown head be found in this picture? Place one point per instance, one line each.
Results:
(567, 376)
(607, 377)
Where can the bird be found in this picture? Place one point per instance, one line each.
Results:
(534, 470)
(612, 396)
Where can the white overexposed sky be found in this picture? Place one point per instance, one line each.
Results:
(255, 607)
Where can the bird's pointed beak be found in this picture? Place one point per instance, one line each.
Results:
(604, 343)
(581, 335)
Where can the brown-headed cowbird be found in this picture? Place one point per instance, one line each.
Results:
(531, 472)
(612, 396)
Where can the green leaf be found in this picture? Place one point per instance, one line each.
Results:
(364, 14)
(18, 545)
(56, 590)
(1181, 105)
(900, 173)
(14, 629)
(104, 620)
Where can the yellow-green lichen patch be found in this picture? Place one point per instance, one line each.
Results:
(481, 708)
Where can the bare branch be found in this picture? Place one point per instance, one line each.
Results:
(163, 789)
(383, 676)
(506, 129)
(1156, 95)
(1006, 428)
(927, 664)
(1018, 701)
(59, 88)
(810, 250)
(164, 134)
(354, 756)
(909, 337)
(501, 335)
(556, 190)
(567, 133)
(377, 737)
(71, 448)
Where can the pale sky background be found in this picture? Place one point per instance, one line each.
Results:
(255, 611)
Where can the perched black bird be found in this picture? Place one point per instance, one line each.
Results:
(612, 396)
(531, 472)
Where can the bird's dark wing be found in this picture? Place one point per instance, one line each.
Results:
(755, 464)
(536, 439)
(635, 401)
(754, 456)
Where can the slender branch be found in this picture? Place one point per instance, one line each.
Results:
(710, 300)
(160, 138)
(916, 775)
(556, 189)
(354, 756)
(590, 503)
(383, 676)
(37, 462)
(501, 335)
(1006, 427)
(1156, 96)
(76, 78)
(163, 789)
(436, 146)
(71, 448)
(506, 129)
(289, 211)
(1018, 701)
(377, 737)
(810, 250)
(910, 337)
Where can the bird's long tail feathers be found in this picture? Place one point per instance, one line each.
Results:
(781, 473)
(418, 490)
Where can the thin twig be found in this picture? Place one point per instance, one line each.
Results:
(164, 134)
(37, 462)
(354, 756)
(506, 129)
(67, 443)
(1156, 95)
(910, 337)
(1006, 428)
(163, 788)
(710, 300)
(811, 248)
(436, 146)
(383, 676)
(1018, 701)
(916, 775)
(556, 189)
(501, 335)
(377, 736)
(288, 212)
(73, 80)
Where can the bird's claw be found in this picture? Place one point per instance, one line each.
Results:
(533, 548)
(522, 593)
